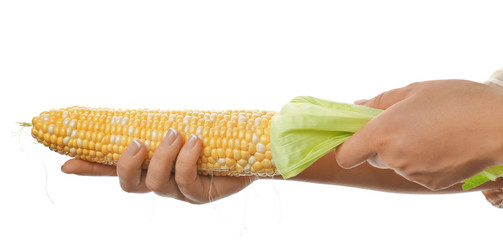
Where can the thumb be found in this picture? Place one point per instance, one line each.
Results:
(361, 146)
(358, 148)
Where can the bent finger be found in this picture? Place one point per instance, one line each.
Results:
(386, 99)
(358, 148)
(495, 197)
(186, 175)
(159, 169)
(129, 167)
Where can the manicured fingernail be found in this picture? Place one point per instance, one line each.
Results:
(192, 140)
(171, 136)
(133, 148)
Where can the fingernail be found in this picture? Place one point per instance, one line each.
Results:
(192, 140)
(171, 136)
(133, 148)
(361, 101)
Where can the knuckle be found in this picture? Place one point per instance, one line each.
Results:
(181, 181)
(128, 189)
(378, 100)
(154, 185)
(125, 168)
(397, 163)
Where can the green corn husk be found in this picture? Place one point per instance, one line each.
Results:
(308, 128)
(487, 175)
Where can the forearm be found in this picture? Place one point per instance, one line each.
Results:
(326, 170)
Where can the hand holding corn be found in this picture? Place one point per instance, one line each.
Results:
(434, 133)
(147, 145)
(183, 184)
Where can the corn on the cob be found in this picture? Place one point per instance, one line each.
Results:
(235, 143)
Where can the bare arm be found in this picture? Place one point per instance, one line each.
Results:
(327, 171)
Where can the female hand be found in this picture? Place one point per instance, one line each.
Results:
(434, 133)
(183, 184)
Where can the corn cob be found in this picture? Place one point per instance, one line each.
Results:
(235, 142)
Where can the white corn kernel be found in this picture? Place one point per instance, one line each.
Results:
(75, 134)
(117, 140)
(255, 138)
(186, 120)
(147, 144)
(130, 130)
(260, 148)
(66, 140)
(51, 129)
(199, 130)
(251, 160)
(247, 167)
(66, 122)
(154, 135)
(73, 123)
(257, 121)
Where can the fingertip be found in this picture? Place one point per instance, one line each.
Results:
(192, 148)
(186, 164)
(345, 164)
(86, 168)
(71, 166)
(349, 155)
(194, 142)
(66, 167)
(361, 102)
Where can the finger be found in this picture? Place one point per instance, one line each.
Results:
(358, 148)
(162, 162)
(129, 167)
(86, 168)
(362, 145)
(495, 197)
(361, 102)
(388, 98)
(186, 166)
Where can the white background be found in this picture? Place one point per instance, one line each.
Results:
(226, 55)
